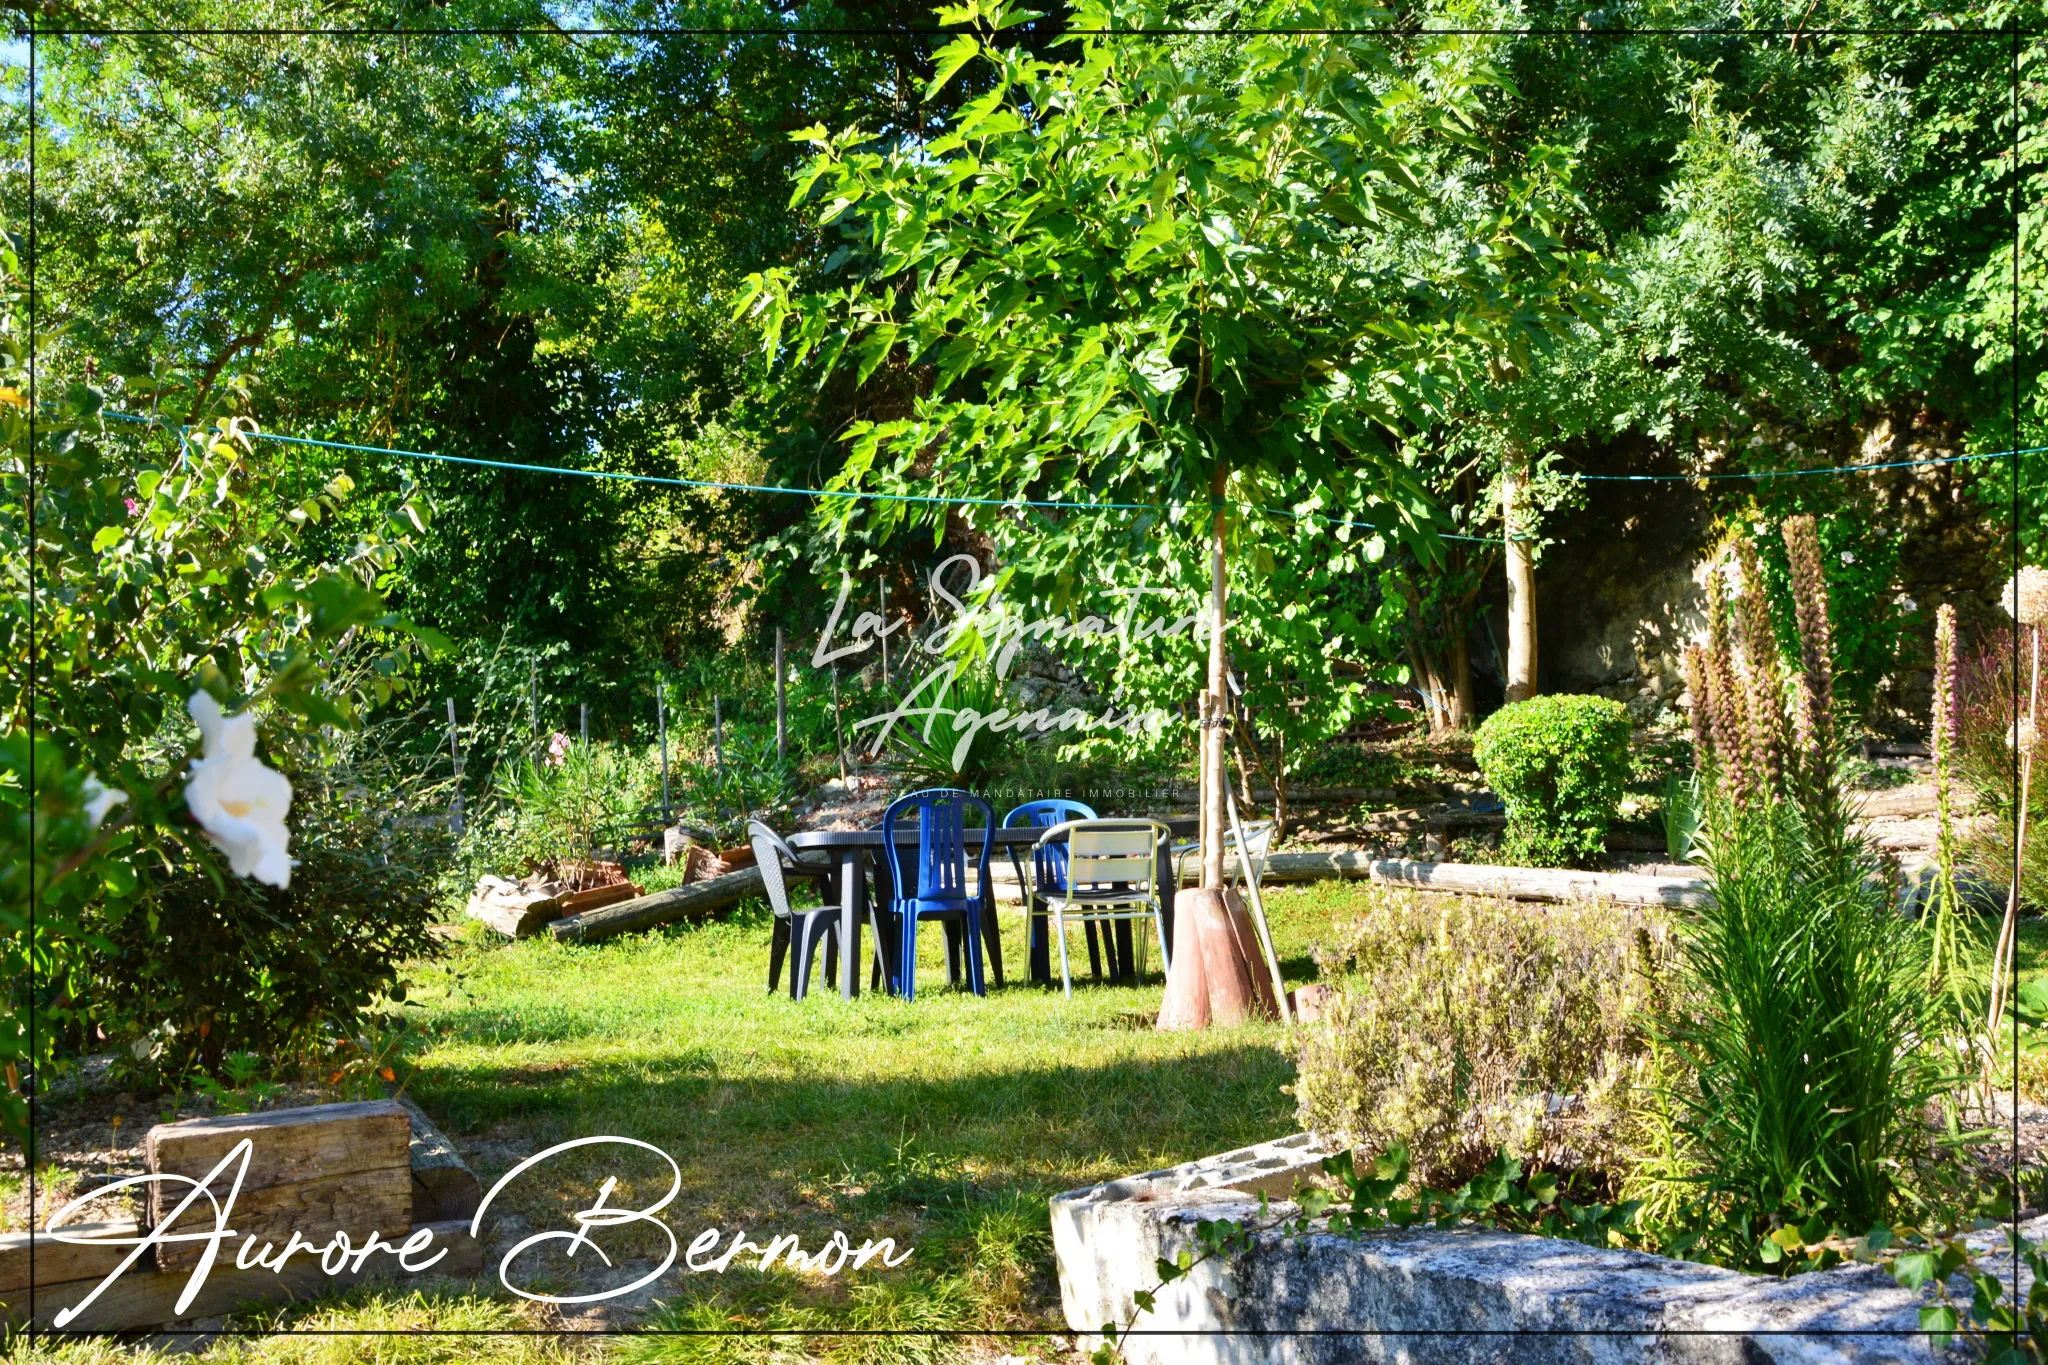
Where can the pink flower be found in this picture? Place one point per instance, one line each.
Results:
(558, 749)
(132, 505)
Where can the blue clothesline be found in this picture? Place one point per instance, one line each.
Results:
(1051, 504)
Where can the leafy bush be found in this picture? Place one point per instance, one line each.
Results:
(1559, 763)
(151, 563)
(215, 964)
(1458, 1028)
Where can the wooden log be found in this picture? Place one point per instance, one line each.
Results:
(597, 897)
(145, 1298)
(1528, 883)
(443, 1186)
(57, 1261)
(315, 1170)
(695, 901)
(514, 919)
(1901, 804)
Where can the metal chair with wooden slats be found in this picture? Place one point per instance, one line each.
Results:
(1112, 873)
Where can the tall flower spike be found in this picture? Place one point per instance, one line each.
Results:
(1941, 728)
(1727, 702)
(1698, 683)
(1768, 737)
(1942, 732)
(1816, 639)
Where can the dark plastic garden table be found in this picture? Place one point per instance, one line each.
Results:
(854, 847)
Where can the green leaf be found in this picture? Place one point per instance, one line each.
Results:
(948, 60)
(1150, 238)
(1915, 1268)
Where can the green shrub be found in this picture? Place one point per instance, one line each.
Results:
(216, 964)
(1559, 763)
(1458, 1027)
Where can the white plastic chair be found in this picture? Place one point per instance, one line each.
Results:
(1258, 838)
(1112, 874)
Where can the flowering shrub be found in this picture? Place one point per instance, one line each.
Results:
(164, 562)
(1806, 1026)
(1459, 1028)
(1560, 764)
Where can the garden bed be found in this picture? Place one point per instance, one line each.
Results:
(1427, 1295)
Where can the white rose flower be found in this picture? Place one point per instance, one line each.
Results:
(240, 803)
(100, 798)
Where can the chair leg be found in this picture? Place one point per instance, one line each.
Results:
(778, 948)
(805, 931)
(906, 957)
(976, 982)
(1094, 953)
(1059, 930)
(992, 937)
(889, 952)
(952, 951)
(832, 956)
(1165, 951)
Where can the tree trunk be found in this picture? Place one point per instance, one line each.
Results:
(1212, 981)
(1521, 665)
(1462, 705)
(1216, 713)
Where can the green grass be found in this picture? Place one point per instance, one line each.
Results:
(945, 1123)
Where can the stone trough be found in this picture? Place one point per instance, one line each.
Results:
(1424, 1296)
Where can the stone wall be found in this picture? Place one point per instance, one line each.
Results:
(1619, 593)
(1420, 1297)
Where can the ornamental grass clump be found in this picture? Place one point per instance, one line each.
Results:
(1801, 1022)
(1459, 1027)
(1560, 765)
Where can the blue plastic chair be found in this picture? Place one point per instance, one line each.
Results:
(934, 886)
(1049, 869)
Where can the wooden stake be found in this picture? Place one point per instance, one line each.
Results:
(1215, 712)
(838, 734)
(661, 724)
(718, 734)
(882, 586)
(1265, 932)
(455, 756)
(583, 708)
(781, 703)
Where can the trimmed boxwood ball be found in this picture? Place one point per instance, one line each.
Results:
(1559, 763)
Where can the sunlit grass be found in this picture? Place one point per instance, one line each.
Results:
(945, 1124)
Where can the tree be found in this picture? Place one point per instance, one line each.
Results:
(1186, 275)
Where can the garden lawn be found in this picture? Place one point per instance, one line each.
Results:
(945, 1123)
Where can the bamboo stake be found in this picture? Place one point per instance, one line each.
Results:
(455, 757)
(661, 724)
(718, 734)
(781, 702)
(1251, 881)
(838, 734)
